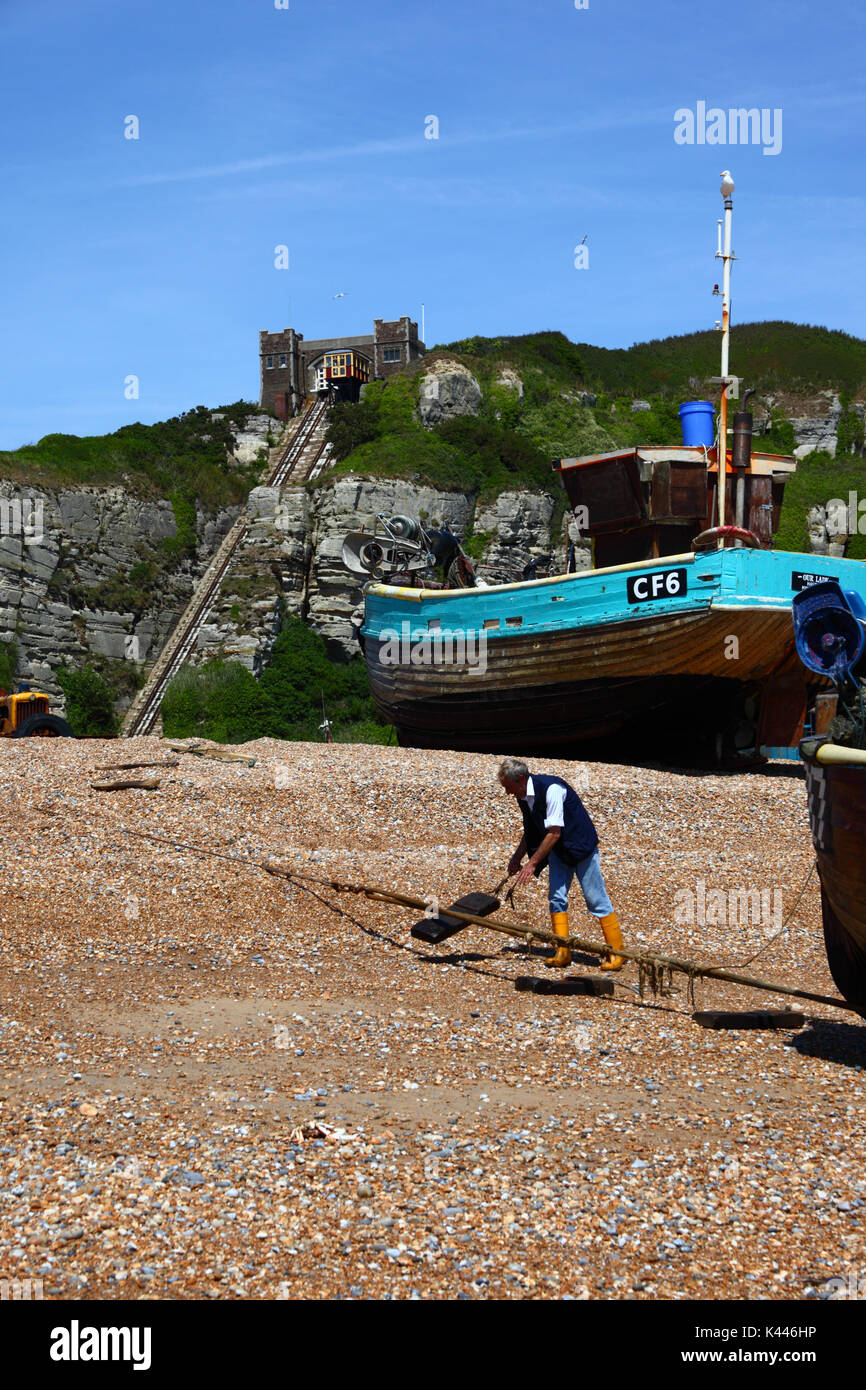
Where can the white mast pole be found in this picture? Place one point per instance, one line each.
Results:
(726, 257)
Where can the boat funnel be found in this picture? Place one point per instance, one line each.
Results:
(829, 629)
(697, 423)
(741, 454)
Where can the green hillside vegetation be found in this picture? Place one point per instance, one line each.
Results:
(477, 453)
(508, 445)
(770, 356)
(223, 701)
(89, 702)
(818, 479)
(513, 440)
(185, 457)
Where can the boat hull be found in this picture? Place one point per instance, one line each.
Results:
(580, 685)
(837, 817)
(567, 661)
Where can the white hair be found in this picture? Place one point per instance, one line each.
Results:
(512, 771)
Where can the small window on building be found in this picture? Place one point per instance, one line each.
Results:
(392, 354)
(269, 361)
(283, 360)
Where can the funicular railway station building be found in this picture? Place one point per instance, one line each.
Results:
(293, 370)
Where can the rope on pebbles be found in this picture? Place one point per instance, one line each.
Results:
(655, 971)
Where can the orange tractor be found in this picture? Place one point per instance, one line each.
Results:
(26, 714)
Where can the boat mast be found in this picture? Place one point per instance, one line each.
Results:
(726, 257)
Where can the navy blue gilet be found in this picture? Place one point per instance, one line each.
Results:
(578, 839)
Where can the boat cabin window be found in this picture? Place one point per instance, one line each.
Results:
(513, 622)
(491, 622)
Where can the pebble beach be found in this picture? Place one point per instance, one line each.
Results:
(218, 1084)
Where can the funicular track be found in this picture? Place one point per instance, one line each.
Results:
(303, 458)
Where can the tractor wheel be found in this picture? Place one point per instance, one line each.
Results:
(44, 726)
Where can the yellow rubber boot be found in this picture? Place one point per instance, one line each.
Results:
(613, 937)
(562, 959)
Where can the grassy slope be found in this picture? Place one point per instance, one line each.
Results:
(382, 438)
(818, 479)
(769, 356)
(186, 456)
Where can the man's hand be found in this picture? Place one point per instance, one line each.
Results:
(514, 863)
(538, 857)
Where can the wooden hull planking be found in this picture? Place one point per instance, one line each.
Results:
(579, 684)
(837, 816)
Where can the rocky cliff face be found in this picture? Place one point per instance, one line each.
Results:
(815, 420)
(829, 528)
(92, 575)
(291, 563)
(447, 389)
(85, 576)
(817, 431)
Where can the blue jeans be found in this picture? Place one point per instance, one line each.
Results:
(589, 877)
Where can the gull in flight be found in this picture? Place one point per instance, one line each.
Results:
(341, 295)
(727, 183)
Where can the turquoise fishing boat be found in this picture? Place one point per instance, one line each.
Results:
(680, 639)
(694, 648)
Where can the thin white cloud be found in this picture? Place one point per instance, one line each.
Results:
(401, 145)
(451, 192)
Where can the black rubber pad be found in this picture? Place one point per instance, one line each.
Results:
(569, 984)
(750, 1018)
(436, 929)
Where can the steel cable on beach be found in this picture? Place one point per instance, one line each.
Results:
(654, 966)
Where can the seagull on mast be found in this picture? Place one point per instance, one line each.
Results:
(727, 183)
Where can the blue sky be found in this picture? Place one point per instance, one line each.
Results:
(305, 127)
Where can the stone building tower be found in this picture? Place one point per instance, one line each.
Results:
(289, 363)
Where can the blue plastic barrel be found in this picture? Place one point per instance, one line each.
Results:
(697, 422)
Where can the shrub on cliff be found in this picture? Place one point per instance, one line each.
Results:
(496, 458)
(351, 425)
(8, 665)
(223, 701)
(413, 453)
(89, 702)
(300, 676)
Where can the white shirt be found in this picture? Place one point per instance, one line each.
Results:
(554, 807)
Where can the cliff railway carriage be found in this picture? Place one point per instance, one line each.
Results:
(340, 375)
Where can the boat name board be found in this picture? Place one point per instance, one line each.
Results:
(801, 580)
(654, 584)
